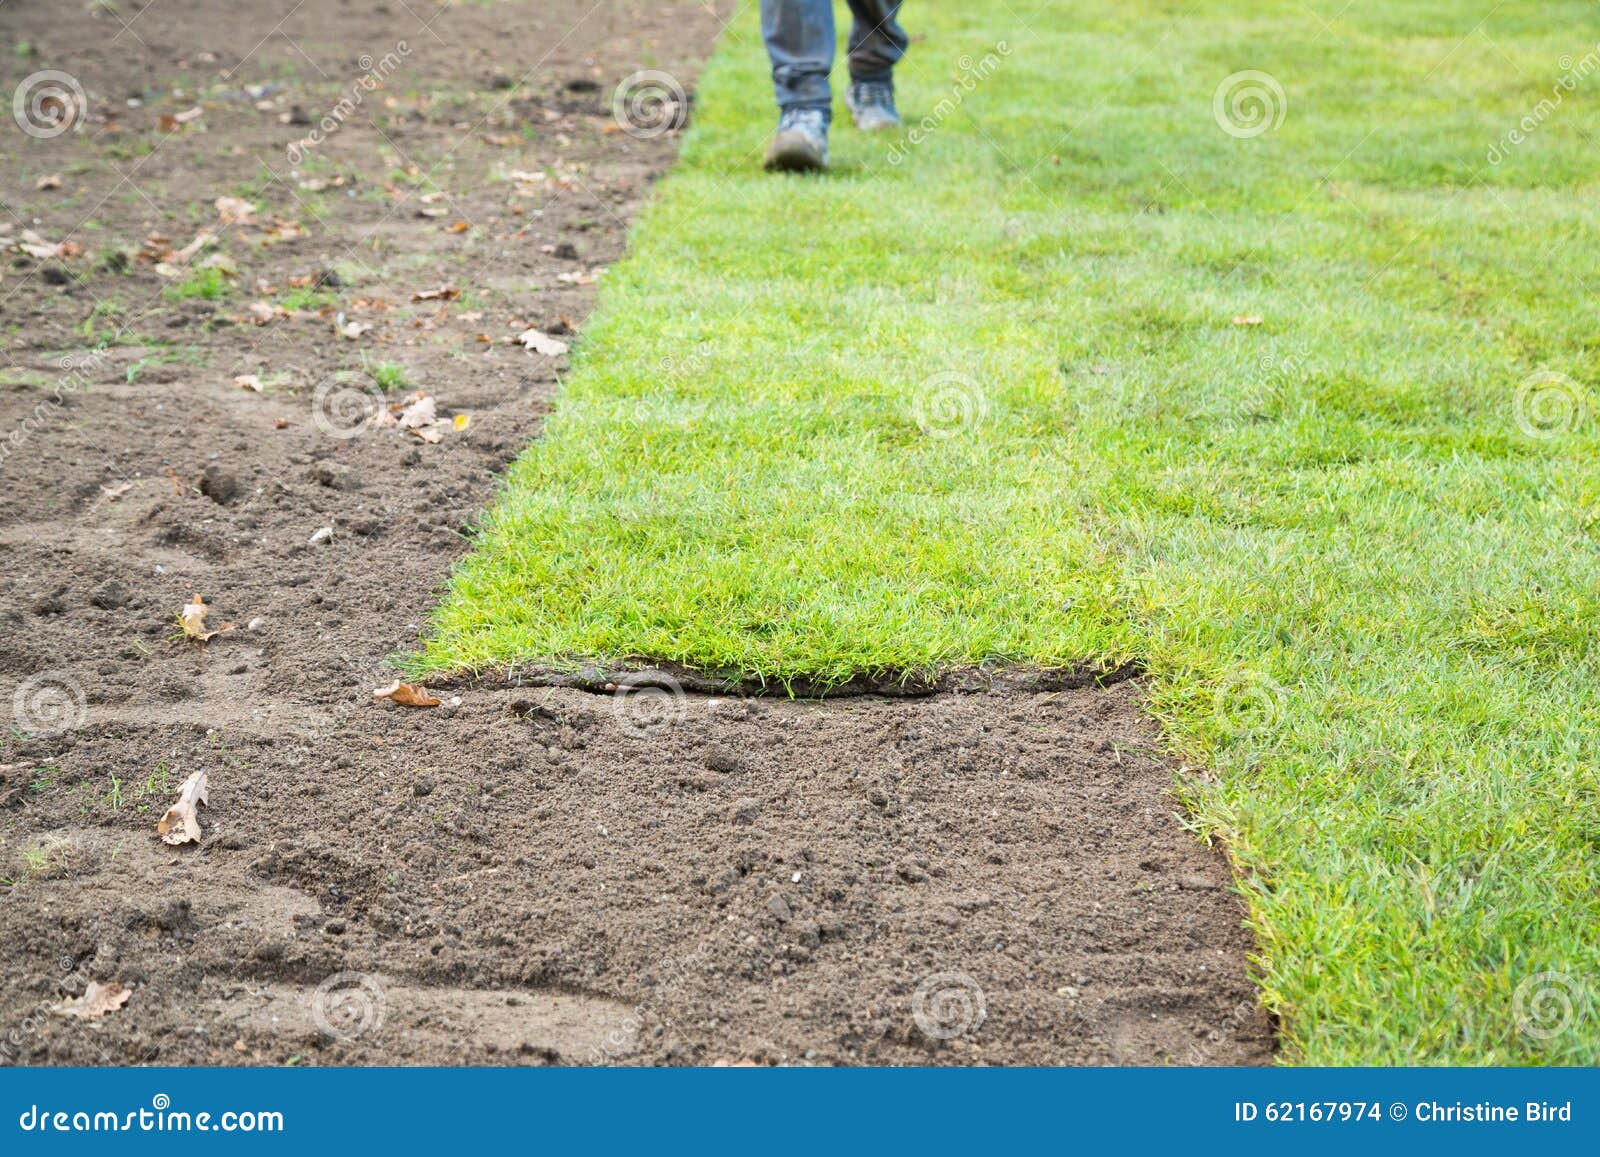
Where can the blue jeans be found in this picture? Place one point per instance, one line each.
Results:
(800, 40)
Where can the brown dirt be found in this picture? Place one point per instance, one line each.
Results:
(520, 875)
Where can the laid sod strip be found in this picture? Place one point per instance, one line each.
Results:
(1300, 418)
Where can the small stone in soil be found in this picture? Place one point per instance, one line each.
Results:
(723, 760)
(218, 485)
(109, 595)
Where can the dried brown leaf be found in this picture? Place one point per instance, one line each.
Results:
(406, 694)
(193, 620)
(542, 343)
(186, 254)
(181, 824)
(97, 1000)
(235, 211)
(418, 411)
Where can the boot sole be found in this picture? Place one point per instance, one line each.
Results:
(795, 153)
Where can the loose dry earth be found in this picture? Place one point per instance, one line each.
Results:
(522, 875)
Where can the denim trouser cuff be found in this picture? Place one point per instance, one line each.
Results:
(800, 40)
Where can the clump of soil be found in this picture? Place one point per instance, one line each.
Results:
(518, 875)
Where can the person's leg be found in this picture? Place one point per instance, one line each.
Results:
(876, 39)
(876, 42)
(799, 36)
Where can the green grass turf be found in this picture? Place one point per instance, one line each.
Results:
(1368, 595)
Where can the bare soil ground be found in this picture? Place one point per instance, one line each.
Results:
(521, 875)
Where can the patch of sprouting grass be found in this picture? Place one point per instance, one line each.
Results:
(154, 787)
(130, 150)
(981, 397)
(186, 354)
(206, 284)
(18, 376)
(350, 272)
(308, 300)
(391, 377)
(104, 323)
(412, 176)
(49, 856)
